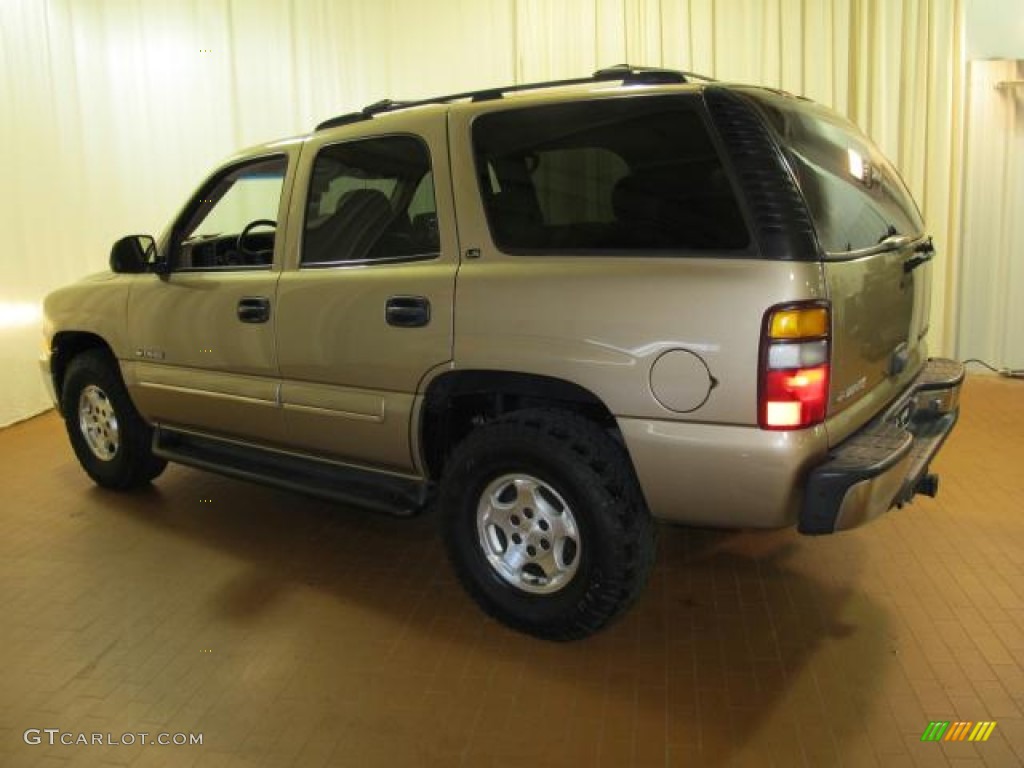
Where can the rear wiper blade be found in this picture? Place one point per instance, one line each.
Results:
(927, 250)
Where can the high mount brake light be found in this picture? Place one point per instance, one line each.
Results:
(794, 368)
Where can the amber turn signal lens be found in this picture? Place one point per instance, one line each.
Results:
(800, 323)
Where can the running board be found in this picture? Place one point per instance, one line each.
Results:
(379, 491)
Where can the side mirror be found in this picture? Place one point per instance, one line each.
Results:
(132, 254)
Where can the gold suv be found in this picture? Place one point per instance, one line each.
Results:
(554, 311)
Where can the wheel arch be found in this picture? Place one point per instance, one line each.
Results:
(65, 347)
(457, 401)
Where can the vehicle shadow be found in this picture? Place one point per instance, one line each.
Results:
(738, 644)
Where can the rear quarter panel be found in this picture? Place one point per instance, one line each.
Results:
(603, 322)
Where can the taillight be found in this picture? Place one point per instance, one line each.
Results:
(793, 391)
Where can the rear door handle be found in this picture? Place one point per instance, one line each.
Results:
(254, 309)
(407, 311)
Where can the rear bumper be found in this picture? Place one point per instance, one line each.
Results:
(721, 475)
(885, 463)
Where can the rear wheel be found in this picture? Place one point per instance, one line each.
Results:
(109, 437)
(545, 524)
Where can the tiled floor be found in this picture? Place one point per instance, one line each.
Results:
(292, 633)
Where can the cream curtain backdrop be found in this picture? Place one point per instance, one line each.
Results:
(111, 110)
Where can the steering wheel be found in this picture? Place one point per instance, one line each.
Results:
(248, 227)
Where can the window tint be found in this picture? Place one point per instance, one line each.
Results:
(370, 200)
(854, 194)
(208, 239)
(637, 174)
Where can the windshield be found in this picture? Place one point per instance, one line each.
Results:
(856, 197)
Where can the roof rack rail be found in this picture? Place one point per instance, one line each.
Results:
(629, 75)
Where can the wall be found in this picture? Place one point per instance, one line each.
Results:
(990, 307)
(994, 29)
(115, 108)
(991, 284)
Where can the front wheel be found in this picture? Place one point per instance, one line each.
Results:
(108, 435)
(545, 523)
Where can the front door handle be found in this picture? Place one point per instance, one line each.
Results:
(407, 311)
(254, 309)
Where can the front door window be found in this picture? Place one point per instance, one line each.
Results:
(233, 223)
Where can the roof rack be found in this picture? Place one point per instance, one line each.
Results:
(629, 75)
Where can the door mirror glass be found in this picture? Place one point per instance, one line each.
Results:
(132, 254)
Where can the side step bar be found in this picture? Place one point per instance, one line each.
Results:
(379, 491)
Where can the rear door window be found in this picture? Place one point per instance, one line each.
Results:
(370, 200)
(855, 195)
(636, 174)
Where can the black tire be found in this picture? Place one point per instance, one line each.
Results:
(122, 457)
(577, 466)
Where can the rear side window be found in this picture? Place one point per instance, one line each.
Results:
(634, 174)
(856, 197)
